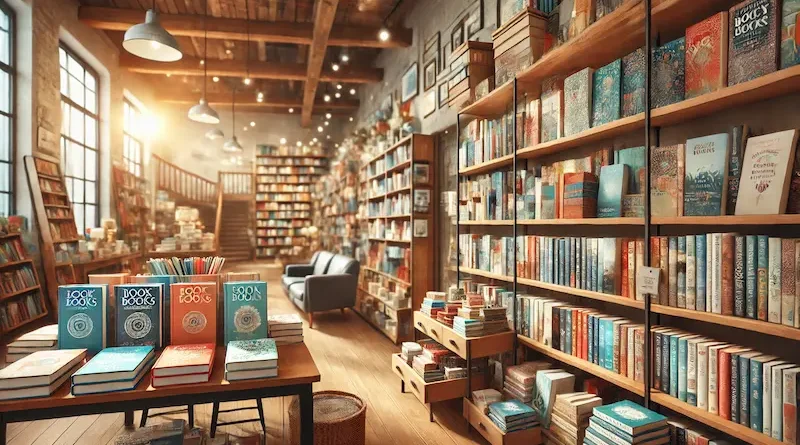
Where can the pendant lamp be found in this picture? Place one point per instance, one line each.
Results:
(202, 112)
(232, 145)
(215, 134)
(149, 40)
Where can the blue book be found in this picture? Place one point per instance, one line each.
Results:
(629, 418)
(743, 403)
(609, 351)
(673, 366)
(683, 357)
(706, 177)
(634, 158)
(568, 268)
(590, 338)
(245, 310)
(82, 317)
(166, 281)
(122, 363)
(139, 317)
(568, 332)
(597, 340)
(601, 343)
(511, 410)
(700, 269)
(592, 264)
(613, 186)
(756, 391)
(607, 93)
(751, 284)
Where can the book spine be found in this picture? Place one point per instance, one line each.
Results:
(787, 282)
(790, 407)
(665, 365)
(674, 370)
(702, 376)
(724, 385)
(638, 349)
(710, 257)
(578, 263)
(756, 389)
(744, 391)
(776, 430)
(673, 271)
(640, 263)
(631, 270)
(616, 348)
(797, 283)
(681, 281)
(751, 292)
(691, 373)
(624, 287)
(726, 266)
(733, 403)
(716, 273)
(766, 400)
(657, 345)
(738, 276)
(700, 276)
(572, 262)
(775, 262)
(600, 264)
(762, 276)
(596, 340)
(574, 339)
(683, 378)
(713, 372)
(630, 352)
(691, 272)
(590, 338)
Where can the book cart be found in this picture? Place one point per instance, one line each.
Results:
(399, 233)
(628, 27)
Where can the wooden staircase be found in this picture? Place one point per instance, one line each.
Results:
(235, 216)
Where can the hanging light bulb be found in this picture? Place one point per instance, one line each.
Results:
(345, 58)
(232, 145)
(338, 95)
(351, 118)
(149, 40)
(215, 79)
(327, 98)
(299, 144)
(252, 123)
(384, 35)
(327, 115)
(202, 112)
(247, 48)
(338, 86)
(283, 141)
(352, 91)
(291, 110)
(335, 67)
(327, 123)
(320, 129)
(246, 81)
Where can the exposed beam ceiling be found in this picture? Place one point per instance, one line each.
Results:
(190, 25)
(249, 101)
(190, 66)
(324, 16)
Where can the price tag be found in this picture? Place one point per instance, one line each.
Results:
(647, 280)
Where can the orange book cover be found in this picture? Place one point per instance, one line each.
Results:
(574, 333)
(727, 273)
(185, 359)
(193, 313)
(724, 380)
(707, 55)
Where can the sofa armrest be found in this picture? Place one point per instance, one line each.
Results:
(327, 292)
(299, 270)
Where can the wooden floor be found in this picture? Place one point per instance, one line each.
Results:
(351, 357)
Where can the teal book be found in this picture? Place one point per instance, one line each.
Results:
(82, 317)
(611, 249)
(751, 266)
(592, 275)
(242, 355)
(630, 418)
(139, 318)
(604, 430)
(665, 368)
(608, 352)
(601, 343)
(166, 281)
(596, 340)
(613, 186)
(705, 183)
(634, 158)
(669, 73)
(673, 366)
(607, 93)
(548, 201)
(633, 86)
(122, 363)
(683, 357)
(700, 272)
(245, 310)
(757, 391)
(657, 360)
(790, 46)
(511, 410)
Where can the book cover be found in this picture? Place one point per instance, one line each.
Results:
(194, 313)
(739, 135)
(666, 180)
(766, 174)
(139, 315)
(245, 310)
(630, 417)
(714, 377)
(251, 354)
(707, 55)
(739, 275)
(756, 390)
(691, 369)
(767, 393)
(750, 276)
(634, 158)
(775, 272)
(40, 368)
(790, 41)
(790, 405)
(612, 263)
(683, 365)
(705, 183)
(185, 359)
(578, 102)
(703, 373)
(82, 317)
(113, 364)
(753, 44)
(663, 256)
(776, 429)
(669, 73)
(727, 266)
(549, 384)
(691, 272)
(633, 82)
(613, 185)
(674, 370)
(552, 122)
(673, 272)
(788, 281)
(166, 281)
(607, 92)
(681, 272)
(700, 276)
(743, 402)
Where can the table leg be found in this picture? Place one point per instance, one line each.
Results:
(2, 430)
(128, 419)
(306, 416)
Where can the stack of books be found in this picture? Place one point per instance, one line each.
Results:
(520, 380)
(39, 374)
(184, 364)
(570, 417)
(433, 303)
(114, 369)
(482, 398)
(626, 422)
(436, 353)
(286, 329)
(454, 367)
(427, 369)
(494, 320)
(512, 415)
(468, 327)
(251, 359)
(42, 339)
(409, 350)
(550, 383)
(446, 316)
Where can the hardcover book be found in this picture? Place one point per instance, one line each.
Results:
(122, 363)
(251, 354)
(669, 72)
(705, 183)
(666, 183)
(766, 173)
(139, 314)
(578, 102)
(788, 281)
(707, 55)
(790, 33)
(726, 268)
(245, 310)
(753, 44)
(739, 276)
(630, 418)
(633, 157)
(775, 266)
(607, 92)
(552, 122)
(41, 368)
(633, 79)
(739, 135)
(613, 185)
(762, 277)
(194, 313)
(178, 360)
(550, 383)
(82, 317)
(166, 282)
(750, 277)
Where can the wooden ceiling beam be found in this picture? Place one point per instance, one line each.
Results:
(190, 66)
(324, 16)
(191, 25)
(249, 101)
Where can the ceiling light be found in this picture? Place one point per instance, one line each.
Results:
(328, 136)
(345, 58)
(338, 94)
(299, 144)
(215, 134)
(246, 81)
(149, 40)
(291, 110)
(202, 62)
(228, 52)
(351, 118)
(320, 129)
(327, 98)
(203, 113)
(314, 140)
(338, 86)
(232, 145)
(327, 123)
(260, 99)
(252, 124)
(215, 79)
(384, 35)
(335, 67)
(352, 91)
(327, 115)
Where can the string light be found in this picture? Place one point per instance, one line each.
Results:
(345, 58)
(327, 98)
(338, 95)
(352, 91)
(384, 35)
(327, 115)
(338, 86)
(252, 124)
(351, 118)
(335, 67)
(299, 144)
(215, 79)
(283, 141)
(202, 62)
(327, 123)
(320, 129)
(291, 110)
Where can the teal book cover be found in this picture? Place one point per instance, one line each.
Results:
(633, 78)
(568, 332)
(673, 366)
(603, 429)
(258, 350)
(705, 183)
(601, 343)
(609, 343)
(114, 360)
(548, 202)
(139, 315)
(756, 393)
(511, 410)
(634, 158)
(669, 73)
(750, 271)
(245, 310)
(629, 417)
(82, 317)
(596, 340)
(683, 357)
(790, 46)
(607, 93)
(700, 272)
(590, 339)
(578, 102)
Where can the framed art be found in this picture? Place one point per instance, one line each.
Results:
(410, 83)
(422, 201)
(422, 173)
(444, 54)
(433, 51)
(420, 228)
(387, 102)
(429, 76)
(428, 103)
(444, 94)
(474, 21)
(457, 36)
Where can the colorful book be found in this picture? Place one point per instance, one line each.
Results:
(550, 383)
(139, 315)
(727, 268)
(750, 277)
(756, 420)
(613, 185)
(707, 55)
(166, 282)
(739, 135)
(762, 277)
(666, 183)
(245, 310)
(790, 33)
(790, 405)
(606, 94)
(245, 355)
(633, 157)
(633, 82)
(705, 183)
(766, 174)
(753, 44)
(194, 313)
(669, 73)
(113, 369)
(775, 272)
(578, 102)
(82, 317)
(739, 298)
(552, 116)
(630, 418)
(183, 364)
(788, 281)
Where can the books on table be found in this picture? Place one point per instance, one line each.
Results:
(139, 318)
(570, 416)
(520, 380)
(251, 359)
(513, 415)
(245, 310)
(482, 398)
(285, 328)
(184, 364)
(113, 369)
(39, 374)
(627, 422)
(409, 350)
(82, 317)
(42, 339)
(550, 383)
(193, 313)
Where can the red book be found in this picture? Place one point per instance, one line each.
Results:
(624, 261)
(623, 350)
(183, 364)
(724, 380)
(707, 55)
(727, 273)
(193, 313)
(574, 333)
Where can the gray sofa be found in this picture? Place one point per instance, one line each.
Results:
(328, 282)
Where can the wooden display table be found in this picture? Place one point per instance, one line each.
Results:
(296, 374)
(82, 270)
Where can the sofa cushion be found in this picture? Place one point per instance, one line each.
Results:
(340, 264)
(289, 281)
(297, 291)
(323, 260)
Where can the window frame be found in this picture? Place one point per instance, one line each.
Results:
(63, 46)
(131, 136)
(11, 115)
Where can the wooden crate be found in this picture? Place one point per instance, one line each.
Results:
(471, 63)
(518, 44)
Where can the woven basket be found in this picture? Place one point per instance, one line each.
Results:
(339, 419)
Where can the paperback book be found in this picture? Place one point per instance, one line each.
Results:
(82, 317)
(139, 314)
(245, 311)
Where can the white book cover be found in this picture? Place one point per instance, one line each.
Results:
(766, 396)
(776, 428)
(702, 373)
(709, 271)
(630, 371)
(790, 405)
(716, 273)
(537, 187)
(691, 289)
(691, 369)
(774, 271)
(766, 172)
(547, 334)
(713, 394)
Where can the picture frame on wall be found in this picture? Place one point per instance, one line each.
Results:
(457, 36)
(433, 51)
(422, 201)
(420, 228)
(444, 64)
(444, 94)
(410, 83)
(474, 21)
(429, 75)
(422, 173)
(388, 101)
(428, 102)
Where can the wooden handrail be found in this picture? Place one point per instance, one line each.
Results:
(237, 183)
(218, 219)
(183, 183)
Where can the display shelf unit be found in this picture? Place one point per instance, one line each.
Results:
(134, 210)
(19, 306)
(336, 208)
(284, 177)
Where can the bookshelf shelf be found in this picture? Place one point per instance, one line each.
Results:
(591, 368)
(730, 220)
(18, 308)
(387, 240)
(397, 192)
(391, 277)
(583, 222)
(15, 263)
(488, 222)
(747, 324)
(609, 130)
(396, 309)
(493, 104)
(401, 166)
(18, 292)
(478, 347)
(487, 166)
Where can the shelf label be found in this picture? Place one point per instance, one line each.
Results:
(647, 280)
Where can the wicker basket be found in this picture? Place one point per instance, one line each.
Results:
(339, 419)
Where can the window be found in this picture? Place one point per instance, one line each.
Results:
(79, 137)
(6, 110)
(132, 145)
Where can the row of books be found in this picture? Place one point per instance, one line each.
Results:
(283, 196)
(63, 231)
(19, 310)
(262, 170)
(283, 188)
(285, 179)
(311, 162)
(283, 207)
(285, 329)
(16, 280)
(281, 223)
(398, 156)
(291, 231)
(283, 241)
(286, 150)
(11, 250)
(186, 266)
(288, 214)
(486, 139)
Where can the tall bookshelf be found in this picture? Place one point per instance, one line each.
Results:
(134, 209)
(745, 103)
(284, 179)
(22, 301)
(336, 199)
(400, 184)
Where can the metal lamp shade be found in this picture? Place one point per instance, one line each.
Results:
(232, 145)
(203, 113)
(215, 134)
(149, 40)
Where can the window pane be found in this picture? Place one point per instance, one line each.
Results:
(91, 215)
(75, 90)
(5, 139)
(77, 190)
(62, 57)
(76, 126)
(91, 82)
(4, 21)
(91, 102)
(5, 53)
(64, 82)
(91, 165)
(65, 113)
(91, 132)
(91, 193)
(137, 153)
(138, 170)
(75, 160)
(75, 68)
(5, 177)
(77, 209)
(5, 204)
(68, 183)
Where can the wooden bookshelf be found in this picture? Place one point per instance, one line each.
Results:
(21, 306)
(133, 198)
(336, 208)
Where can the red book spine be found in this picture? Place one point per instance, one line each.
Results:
(727, 273)
(724, 384)
(625, 272)
(585, 336)
(623, 351)
(574, 344)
